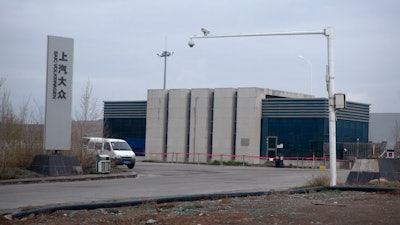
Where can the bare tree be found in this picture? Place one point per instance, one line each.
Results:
(9, 130)
(87, 115)
(20, 140)
(88, 105)
(37, 113)
(6, 112)
(85, 125)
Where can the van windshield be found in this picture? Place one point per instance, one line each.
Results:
(121, 146)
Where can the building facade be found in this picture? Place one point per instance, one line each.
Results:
(201, 125)
(301, 126)
(126, 120)
(246, 124)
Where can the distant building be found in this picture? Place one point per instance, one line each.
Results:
(385, 127)
(202, 125)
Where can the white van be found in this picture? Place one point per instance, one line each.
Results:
(119, 150)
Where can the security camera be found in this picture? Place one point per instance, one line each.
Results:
(191, 43)
(205, 31)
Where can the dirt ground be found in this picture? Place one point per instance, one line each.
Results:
(325, 207)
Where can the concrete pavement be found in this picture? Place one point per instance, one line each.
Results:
(153, 180)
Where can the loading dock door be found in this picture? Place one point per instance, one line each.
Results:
(272, 146)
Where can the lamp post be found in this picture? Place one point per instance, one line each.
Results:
(311, 70)
(330, 78)
(165, 54)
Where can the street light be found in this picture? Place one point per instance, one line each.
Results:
(165, 54)
(330, 78)
(311, 70)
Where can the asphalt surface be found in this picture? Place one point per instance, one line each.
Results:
(85, 177)
(149, 180)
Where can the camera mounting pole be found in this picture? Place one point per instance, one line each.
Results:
(330, 78)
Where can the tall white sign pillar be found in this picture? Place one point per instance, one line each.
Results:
(60, 52)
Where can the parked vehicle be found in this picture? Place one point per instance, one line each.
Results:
(119, 150)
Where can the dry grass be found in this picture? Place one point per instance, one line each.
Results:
(318, 181)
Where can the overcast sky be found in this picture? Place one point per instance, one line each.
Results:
(116, 44)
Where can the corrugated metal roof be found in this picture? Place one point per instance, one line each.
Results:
(354, 111)
(125, 109)
(311, 108)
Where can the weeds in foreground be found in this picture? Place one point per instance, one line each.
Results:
(391, 184)
(9, 173)
(319, 181)
(322, 180)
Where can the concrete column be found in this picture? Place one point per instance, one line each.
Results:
(224, 113)
(178, 124)
(156, 124)
(248, 123)
(200, 125)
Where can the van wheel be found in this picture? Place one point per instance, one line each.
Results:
(130, 166)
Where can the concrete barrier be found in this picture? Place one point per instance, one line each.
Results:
(365, 170)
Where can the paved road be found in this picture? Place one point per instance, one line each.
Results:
(159, 180)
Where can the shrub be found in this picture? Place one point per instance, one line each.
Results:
(322, 180)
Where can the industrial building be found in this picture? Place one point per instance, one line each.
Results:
(246, 124)
(385, 127)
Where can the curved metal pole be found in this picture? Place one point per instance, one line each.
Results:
(323, 32)
(330, 83)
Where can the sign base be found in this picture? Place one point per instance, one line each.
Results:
(56, 165)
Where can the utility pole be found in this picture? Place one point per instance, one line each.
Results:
(165, 54)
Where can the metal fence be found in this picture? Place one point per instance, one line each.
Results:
(352, 150)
